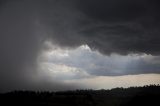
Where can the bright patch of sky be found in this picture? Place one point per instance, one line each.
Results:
(91, 69)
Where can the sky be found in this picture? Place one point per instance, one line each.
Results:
(78, 44)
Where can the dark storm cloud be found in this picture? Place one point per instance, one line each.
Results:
(106, 25)
(125, 25)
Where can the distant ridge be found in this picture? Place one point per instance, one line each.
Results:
(133, 96)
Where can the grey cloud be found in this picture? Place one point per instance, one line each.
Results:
(96, 64)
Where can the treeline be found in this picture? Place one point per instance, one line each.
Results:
(133, 96)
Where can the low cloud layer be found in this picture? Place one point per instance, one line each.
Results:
(83, 62)
(106, 26)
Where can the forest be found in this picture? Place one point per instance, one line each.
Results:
(133, 96)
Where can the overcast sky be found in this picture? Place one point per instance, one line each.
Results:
(78, 44)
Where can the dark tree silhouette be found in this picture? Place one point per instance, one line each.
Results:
(133, 96)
